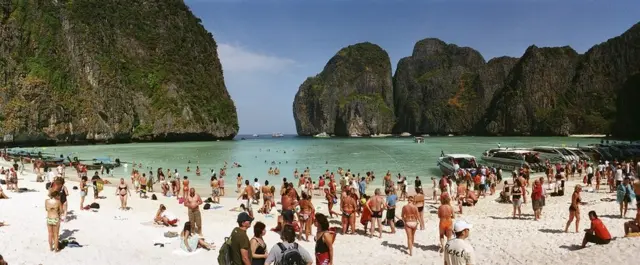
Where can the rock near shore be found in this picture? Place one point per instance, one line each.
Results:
(109, 71)
(352, 95)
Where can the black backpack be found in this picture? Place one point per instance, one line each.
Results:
(290, 256)
(154, 197)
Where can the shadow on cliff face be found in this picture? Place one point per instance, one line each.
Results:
(627, 124)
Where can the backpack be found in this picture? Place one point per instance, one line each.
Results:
(224, 255)
(290, 256)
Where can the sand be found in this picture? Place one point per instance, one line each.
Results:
(111, 236)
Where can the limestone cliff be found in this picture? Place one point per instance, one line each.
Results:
(352, 95)
(442, 88)
(109, 71)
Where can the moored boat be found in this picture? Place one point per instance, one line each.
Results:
(450, 163)
(512, 159)
(418, 140)
(322, 135)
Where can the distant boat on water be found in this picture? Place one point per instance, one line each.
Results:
(405, 134)
(255, 135)
(277, 135)
(322, 135)
(355, 135)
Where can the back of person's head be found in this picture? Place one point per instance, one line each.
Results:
(288, 234)
(162, 207)
(323, 222)
(266, 182)
(593, 214)
(187, 227)
(258, 229)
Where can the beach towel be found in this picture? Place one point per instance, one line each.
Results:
(216, 207)
(180, 252)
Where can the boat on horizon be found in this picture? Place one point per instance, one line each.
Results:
(277, 135)
(381, 135)
(355, 135)
(255, 135)
(418, 140)
(405, 134)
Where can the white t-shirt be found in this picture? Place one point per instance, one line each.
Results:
(458, 252)
(589, 170)
(50, 176)
(169, 215)
(619, 174)
(256, 186)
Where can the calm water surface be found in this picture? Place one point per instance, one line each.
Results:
(399, 155)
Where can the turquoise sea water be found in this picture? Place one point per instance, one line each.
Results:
(397, 154)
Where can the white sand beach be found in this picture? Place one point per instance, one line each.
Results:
(111, 236)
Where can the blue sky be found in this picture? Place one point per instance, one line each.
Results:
(269, 47)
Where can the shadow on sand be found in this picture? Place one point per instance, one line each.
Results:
(66, 233)
(551, 231)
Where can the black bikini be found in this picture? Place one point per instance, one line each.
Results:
(261, 249)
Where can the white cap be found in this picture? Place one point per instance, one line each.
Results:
(460, 226)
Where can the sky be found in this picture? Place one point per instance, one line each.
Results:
(269, 47)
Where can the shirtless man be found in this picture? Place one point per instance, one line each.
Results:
(238, 182)
(288, 205)
(410, 217)
(329, 197)
(215, 190)
(435, 191)
(221, 183)
(185, 187)
(348, 206)
(193, 202)
(418, 201)
(143, 186)
(247, 195)
(445, 213)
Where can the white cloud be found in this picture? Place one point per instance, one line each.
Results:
(235, 58)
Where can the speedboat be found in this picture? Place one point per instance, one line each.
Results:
(322, 135)
(354, 135)
(554, 154)
(405, 134)
(277, 135)
(418, 140)
(449, 163)
(512, 159)
(255, 135)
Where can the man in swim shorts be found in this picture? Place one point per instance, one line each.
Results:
(390, 204)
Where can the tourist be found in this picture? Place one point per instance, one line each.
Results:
(143, 186)
(2, 261)
(240, 245)
(633, 226)
(267, 197)
(288, 250)
(54, 213)
(624, 195)
(445, 226)
(193, 202)
(64, 193)
(458, 251)
(589, 174)
(418, 185)
(636, 187)
(221, 183)
(324, 240)
(331, 200)
(516, 198)
(435, 189)
(375, 204)
(410, 218)
(185, 187)
(418, 200)
(2, 194)
(122, 191)
(574, 208)
(190, 242)
(165, 217)
(94, 180)
(390, 205)
(215, 189)
(536, 199)
(256, 191)
(348, 206)
(598, 233)
(83, 191)
(258, 246)
(238, 182)
(306, 215)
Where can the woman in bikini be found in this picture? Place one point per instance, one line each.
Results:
(446, 214)
(185, 187)
(306, 215)
(63, 198)
(418, 201)
(83, 191)
(516, 198)
(122, 191)
(330, 201)
(574, 209)
(324, 240)
(410, 217)
(54, 212)
(348, 207)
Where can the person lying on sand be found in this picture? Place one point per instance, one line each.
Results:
(2, 194)
(190, 242)
(165, 217)
(3, 224)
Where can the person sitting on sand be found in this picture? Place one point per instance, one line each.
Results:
(190, 242)
(633, 226)
(410, 217)
(598, 233)
(505, 194)
(471, 199)
(2, 194)
(165, 217)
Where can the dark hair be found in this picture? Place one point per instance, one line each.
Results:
(266, 182)
(323, 222)
(255, 179)
(54, 194)
(258, 228)
(187, 227)
(458, 234)
(84, 178)
(162, 207)
(288, 234)
(594, 214)
(284, 179)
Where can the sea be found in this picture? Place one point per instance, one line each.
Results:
(257, 154)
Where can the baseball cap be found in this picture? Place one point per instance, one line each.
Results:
(244, 217)
(460, 226)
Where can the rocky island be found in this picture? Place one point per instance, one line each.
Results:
(109, 71)
(446, 89)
